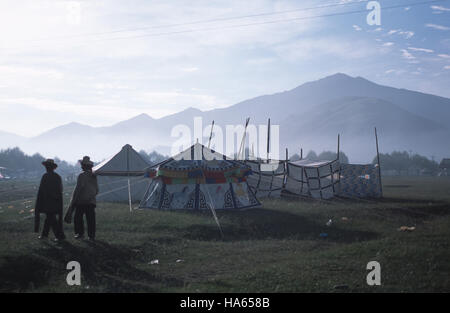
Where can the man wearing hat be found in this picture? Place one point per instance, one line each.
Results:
(83, 200)
(50, 201)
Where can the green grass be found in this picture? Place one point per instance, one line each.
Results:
(275, 248)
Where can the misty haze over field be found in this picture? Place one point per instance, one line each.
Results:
(310, 117)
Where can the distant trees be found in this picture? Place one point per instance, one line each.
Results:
(152, 157)
(324, 156)
(17, 163)
(404, 163)
(311, 155)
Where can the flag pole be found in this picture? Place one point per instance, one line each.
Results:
(378, 161)
(268, 140)
(241, 147)
(210, 135)
(128, 176)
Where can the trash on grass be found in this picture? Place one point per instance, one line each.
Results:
(323, 235)
(406, 228)
(329, 222)
(340, 287)
(344, 218)
(154, 262)
(179, 261)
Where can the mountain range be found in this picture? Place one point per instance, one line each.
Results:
(310, 116)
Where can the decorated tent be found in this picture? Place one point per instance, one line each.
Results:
(199, 178)
(120, 177)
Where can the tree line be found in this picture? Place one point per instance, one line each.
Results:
(404, 163)
(323, 156)
(18, 164)
(394, 163)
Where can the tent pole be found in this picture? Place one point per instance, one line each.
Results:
(338, 147)
(378, 161)
(129, 195)
(242, 146)
(210, 135)
(301, 153)
(213, 211)
(128, 175)
(268, 140)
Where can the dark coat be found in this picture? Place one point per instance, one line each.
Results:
(50, 196)
(86, 190)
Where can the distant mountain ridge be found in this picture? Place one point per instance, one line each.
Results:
(310, 116)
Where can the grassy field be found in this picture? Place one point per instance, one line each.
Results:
(275, 248)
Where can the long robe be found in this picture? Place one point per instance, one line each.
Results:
(49, 198)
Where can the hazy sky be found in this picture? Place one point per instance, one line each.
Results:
(100, 62)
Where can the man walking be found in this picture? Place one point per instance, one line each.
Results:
(50, 201)
(83, 201)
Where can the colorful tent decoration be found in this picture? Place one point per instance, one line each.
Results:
(199, 178)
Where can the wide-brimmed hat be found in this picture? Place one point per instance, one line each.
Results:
(86, 161)
(50, 162)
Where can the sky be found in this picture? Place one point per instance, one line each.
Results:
(99, 62)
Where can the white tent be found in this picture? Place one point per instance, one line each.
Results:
(317, 179)
(267, 178)
(120, 178)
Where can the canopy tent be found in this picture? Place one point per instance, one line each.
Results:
(360, 181)
(199, 178)
(327, 179)
(267, 178)
(317, 179)
(120, 177)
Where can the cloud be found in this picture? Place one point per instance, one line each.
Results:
(10, 72)
(190, 69)
(421, 50)
(260, 61)
(357, 28)
(444, 56)
(447, 67)
(388, 44)
(174, 101)
(407, 34)
(438, 27)
(408, 56)
(45, 104)
(394, 71)
(309, 48)
(440, 8)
